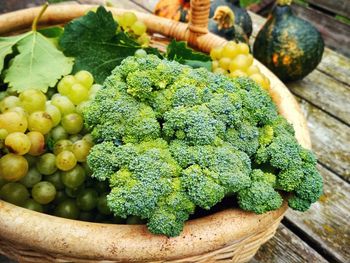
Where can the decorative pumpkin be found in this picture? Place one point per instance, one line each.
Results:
(177, 10)
(289, 46)
(223, 24)
(242, 17)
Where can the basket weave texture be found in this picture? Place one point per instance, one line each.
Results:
(227, 236)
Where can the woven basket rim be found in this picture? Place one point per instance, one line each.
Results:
(104, 241)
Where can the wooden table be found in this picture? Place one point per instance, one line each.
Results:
(322, 234)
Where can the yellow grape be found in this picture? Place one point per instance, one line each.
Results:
(230, 50)
(65, 160)
(65, 84)
(9, 102)
(243, 48)
(216, 53)
(37, 140)
(139, 28)
(3, 134)
(40, 121)
(13, 167)
(241, 62)
(54, 113)
(32, 100)
(13, 122)
(224, 63)
(18, 143)
(78, 93)
(238, 73)
(214, 65)
(85, 78)
(252, 70)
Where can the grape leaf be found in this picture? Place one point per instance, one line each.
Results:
(180, 52)
(38, 65)
(6, 45)
(245, 3)
(97, 48)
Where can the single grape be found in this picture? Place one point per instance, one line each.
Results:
(3, 134)
(85, 78)
(14, 193)
(32, 100)
(224, 63)
(243, 48)
(55, 179)
(241, 62)
(33, 205)
(216, 53)
(8, 103)
(102, 205)
(62, 145)
(88, 138)
(66, 161)
(13, 167)
(65, 84)
(238, 73)
(63, 104)
(144, 40)
(87, 199)
(140, 53)
(252, 70)
(44, 192)
(78, 94)
(18, 143)
(58, 133)
(31, 178)
(74, 138)
(139, 28)
(81, 150)
(37, 143)
(46, 164)
(54, 113)
(13, 122)
(72, 123)
(20, 111)
(73, 178)
(67, 209)
(40, 121)
(128, 19)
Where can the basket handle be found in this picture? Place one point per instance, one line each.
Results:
(199, 18)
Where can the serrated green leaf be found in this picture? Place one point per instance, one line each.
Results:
(93, 41)
(179, 51)
(6, 45)
(38, 65)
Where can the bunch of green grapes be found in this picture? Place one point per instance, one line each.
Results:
(128, 22)
(234, 60)
(44, 146)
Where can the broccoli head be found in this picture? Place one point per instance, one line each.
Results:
(170, 138)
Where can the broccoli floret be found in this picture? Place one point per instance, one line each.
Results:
(170, 138)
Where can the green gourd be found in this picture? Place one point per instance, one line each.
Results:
(289, 46)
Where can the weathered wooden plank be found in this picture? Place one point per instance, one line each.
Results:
(147, 4)
(335, 6)
(325, 92)
(127, 4)
(286, 247)
(4, 259)
(327, 222)
(330, 139)
(335, 33)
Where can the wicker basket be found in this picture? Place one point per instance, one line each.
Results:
(227, 236)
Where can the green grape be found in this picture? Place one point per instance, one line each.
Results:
(44, 192)
(31, 178)
(8, 103)
(85, 78)
(81, 150)
(102, 205)
(72, 123)
(143, 40)
(62, 145)
(224, 63)
(13, 167)
(86, 216)
(139, 28)
(33, 205)
(40, 121)
(81, 106)
(54, 113)
(60, 197)
(18, 143)
(63, 104)
(20, 111)
(87, 199)
(14, 193)
(37, 143)
(140, 53)
(65, 85)
(88, 138)
(13, 122)
(58, 133)
(66, 161)
(128, 19)
(55, 179)
(3, 134)
(216, 53)
(67, 209)
(46, 164)
(32, 100)
(78, 94)
(74, 138)
(74, 177)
